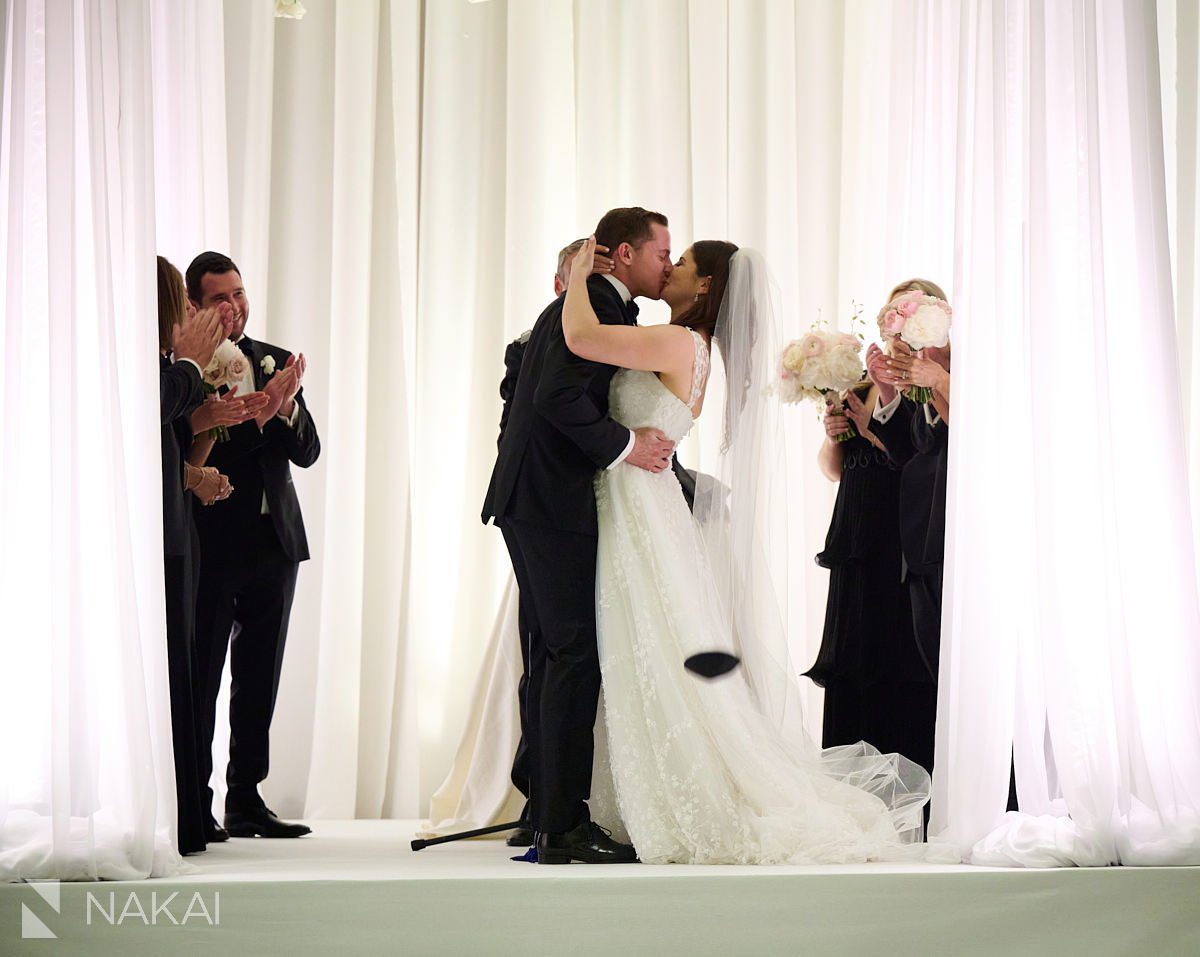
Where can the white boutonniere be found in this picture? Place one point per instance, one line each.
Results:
(268, 365)
(289, 9)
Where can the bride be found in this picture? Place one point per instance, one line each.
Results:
(720, 771)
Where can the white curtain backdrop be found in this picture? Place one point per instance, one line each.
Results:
(1070, 633)
(1178, 43)
(437, 155)
(486, 136)
(394, 178)
(86, 775)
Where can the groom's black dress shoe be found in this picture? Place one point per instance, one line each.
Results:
(588, 844)
(520, 837)
(262, 822)
(214, 833)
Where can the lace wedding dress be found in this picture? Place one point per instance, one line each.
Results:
(702, 773)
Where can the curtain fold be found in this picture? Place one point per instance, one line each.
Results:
(1067, 305)
(85, 741)
(854, 144)
(394, 178)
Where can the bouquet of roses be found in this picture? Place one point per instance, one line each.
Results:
(227, 367)
(922, 322)
(820, 367)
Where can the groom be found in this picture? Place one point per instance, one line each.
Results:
(558, 434)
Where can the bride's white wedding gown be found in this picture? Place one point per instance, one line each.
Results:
(702, 773)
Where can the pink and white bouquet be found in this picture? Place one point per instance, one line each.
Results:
(819, 367)
(922, 322)
(227, 367)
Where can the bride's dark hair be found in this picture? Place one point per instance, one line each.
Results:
(712, 261)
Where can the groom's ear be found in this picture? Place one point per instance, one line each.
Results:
(623, 253)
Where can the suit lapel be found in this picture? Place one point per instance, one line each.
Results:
(611, 291)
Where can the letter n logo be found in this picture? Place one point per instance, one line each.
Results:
(32, 926)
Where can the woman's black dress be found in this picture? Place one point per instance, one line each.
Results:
(877, 688)
(180, 391)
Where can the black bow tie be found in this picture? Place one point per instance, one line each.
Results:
(633, 310)
(246, 345)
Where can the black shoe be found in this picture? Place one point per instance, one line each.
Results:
(588, 844)
(262, 822)
(521, 837)
(214, 833)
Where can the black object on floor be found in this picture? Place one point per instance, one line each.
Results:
(418, 845)
(712, 664)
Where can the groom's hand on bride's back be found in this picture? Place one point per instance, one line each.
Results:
(652, 450)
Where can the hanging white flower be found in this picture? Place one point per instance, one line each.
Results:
(268, 365)
(290, 9)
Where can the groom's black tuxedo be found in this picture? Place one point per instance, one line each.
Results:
(555, 436)
(558, 431)
(249, 562)
(514, 355)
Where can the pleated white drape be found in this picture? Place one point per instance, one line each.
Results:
(1071, 632)
(854, 144)
(394, 178)
(1178, 43)
(86, 774)
(487, 136)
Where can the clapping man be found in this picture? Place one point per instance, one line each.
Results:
(251, 547)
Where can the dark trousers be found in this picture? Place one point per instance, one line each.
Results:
(925, 593)
(244, 601)
(180, 579)
(556, 572)
(520, 768)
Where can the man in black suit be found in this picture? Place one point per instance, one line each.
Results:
(556, 436)
(251, 547)
(513, 356)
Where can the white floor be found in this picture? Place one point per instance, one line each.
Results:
(380, 851)
(356, 887)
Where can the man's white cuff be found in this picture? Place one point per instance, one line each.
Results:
(624, 455)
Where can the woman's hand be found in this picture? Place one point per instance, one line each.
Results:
(585, 260)
(919, 371)
(207, 484)
(590, 260)
(881, 374)
(229, 409)
(859, 414)
(835, 422)
(601, 264)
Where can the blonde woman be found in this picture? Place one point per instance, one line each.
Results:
(877, 687)
(916, 437)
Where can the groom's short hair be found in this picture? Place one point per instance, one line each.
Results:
(201, 266)
(627, 224)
